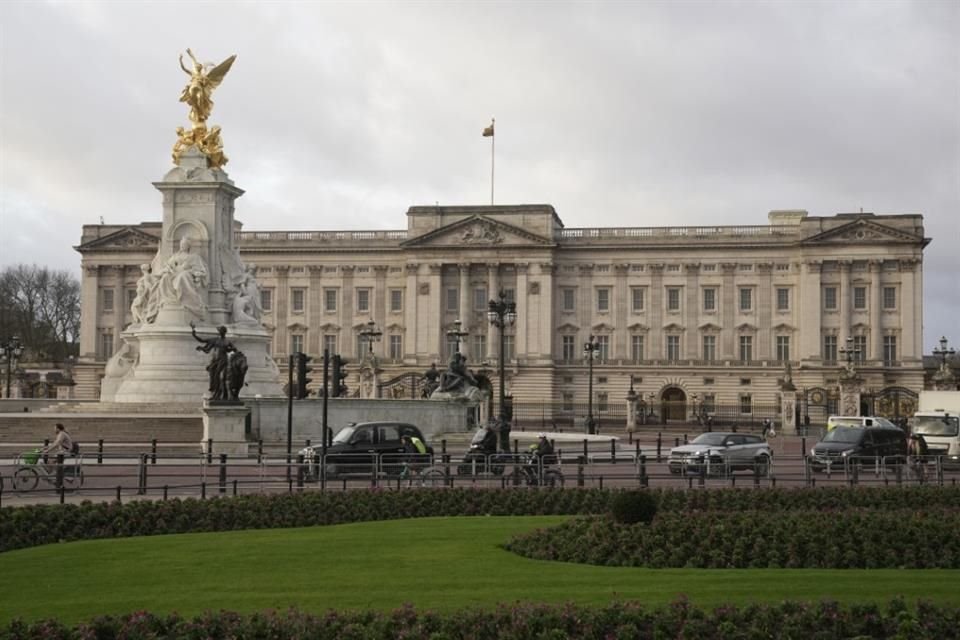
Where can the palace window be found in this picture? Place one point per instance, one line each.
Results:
(830, 298)
(296, 343)
(637, 348)
(479, 347)
(106, 300)
(330, 343)
(710, 299)
(673, 298)
(297, 300)
(568, 298)
(603, 299)
(860, 298)
(106, 345)
(396, 300)
(363, 300)
(709, 348)
(783, 299)
(830, 348)
(673, 348)
(746, 403)
(860, 346)
(396, 347)
(783, 348)
(453, 300)
(509, 348)
(567, 398)
(746, 298)
(480, 299)
(330, 300)
(889, 298)
(603, 353)
(636, 297)
(568, 348)
(889, 350)
(266, 300)
(746, 348)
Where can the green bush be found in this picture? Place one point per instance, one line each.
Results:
(631, 507)
(788, 620)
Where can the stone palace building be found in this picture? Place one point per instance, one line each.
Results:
(699, 317)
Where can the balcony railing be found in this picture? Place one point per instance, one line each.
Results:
(321, 237)
(759, 233)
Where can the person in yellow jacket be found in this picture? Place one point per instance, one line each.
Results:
(415, 452)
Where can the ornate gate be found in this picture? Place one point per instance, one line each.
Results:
(892, 403)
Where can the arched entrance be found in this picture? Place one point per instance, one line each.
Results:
(674, 401)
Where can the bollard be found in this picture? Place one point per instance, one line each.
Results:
(142, 475)
(676, 442)
(100, 451)
(516, 446)
(63, 494)
(613, 451)
(46, 443)
(203, 490)
(643, 471)
(659, 445)
(601, 483)
(118, 493)
(259, 451)
(153, 451)
(59, 470)
(586, 456)
(223, 473)
(164, 493)
(803, 445)
(580, 463)
(685, 439)
(234, 487)
(209, 450)
(629, 437)
(702, 480)
(300, 471)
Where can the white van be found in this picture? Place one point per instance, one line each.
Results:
(858, 421)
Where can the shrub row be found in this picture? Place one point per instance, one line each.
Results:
(850, 539)
(43, 524)
(678, 620)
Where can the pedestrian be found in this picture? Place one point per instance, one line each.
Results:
(767, 429)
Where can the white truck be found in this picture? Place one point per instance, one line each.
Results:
(938, 420)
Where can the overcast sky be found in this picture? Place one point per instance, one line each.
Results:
(342, 115)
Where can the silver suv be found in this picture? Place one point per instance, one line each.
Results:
(720, 453)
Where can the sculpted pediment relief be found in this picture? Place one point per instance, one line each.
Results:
(568, 328)
(864, 231)
(477, 231)
(709, 326)
(128, 238)
(673, 326)
(638, 327)
(602, 327)
(745, 327)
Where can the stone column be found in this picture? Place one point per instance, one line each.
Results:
(545, 318)
(523, 311)
(843, 298)
(282, 309)
(89, 311)
(728, 307)
(810, 319)
(464, 311)
(655, 348)
(621, 305)
(493, 338)
(434, 319)
(380, 309)
(691, 309)
(876, 330)
(765, 311)
(348, 341)
(908, 306)
(315, 311)
(411, 344)
(119, 302)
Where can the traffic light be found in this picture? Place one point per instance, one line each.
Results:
(302, 379)
(338, 382)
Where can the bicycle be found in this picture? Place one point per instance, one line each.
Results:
(30, 471)
(533, 473)
(422, 476)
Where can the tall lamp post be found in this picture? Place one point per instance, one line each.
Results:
(370, 334)
(849, 352)
(502, 314)
(458, 333)
(591, 349)
(943, 352)
(11, 351)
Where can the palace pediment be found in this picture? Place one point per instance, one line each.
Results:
(477, 231)
(863, 231)
(125, 239)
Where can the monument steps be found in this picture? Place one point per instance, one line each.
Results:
(26, 428)
(129, 408)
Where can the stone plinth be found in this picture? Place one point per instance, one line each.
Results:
(788, 404)
(850, 388)
(224, 427)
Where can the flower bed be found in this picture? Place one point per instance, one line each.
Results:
(521, 621)
(835, 539)
(33, 525)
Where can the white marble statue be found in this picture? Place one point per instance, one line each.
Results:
(183, 281)
(246, 299)
(145, 305)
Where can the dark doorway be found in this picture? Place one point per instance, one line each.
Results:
(674, 404)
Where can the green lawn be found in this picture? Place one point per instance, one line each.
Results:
(436, 563)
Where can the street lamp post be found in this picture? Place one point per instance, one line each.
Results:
(458, 333)
(943, 352)
(501, 313)
(370, 334)
(11, 351)
(591, 349)
(849, 352)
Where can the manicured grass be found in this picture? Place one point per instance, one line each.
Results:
(435, 563)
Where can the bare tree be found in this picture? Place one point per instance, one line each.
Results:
(42, 307)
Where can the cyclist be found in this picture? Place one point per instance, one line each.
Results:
(62, 445)
(541, 455)
(414, 449)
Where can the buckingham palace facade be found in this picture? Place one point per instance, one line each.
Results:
(708, 314)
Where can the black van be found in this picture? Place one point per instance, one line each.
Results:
(862, 445)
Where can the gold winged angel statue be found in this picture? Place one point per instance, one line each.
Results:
(204, 78)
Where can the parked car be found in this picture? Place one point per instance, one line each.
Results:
(719, 453)
(862, 445)
(367, 447)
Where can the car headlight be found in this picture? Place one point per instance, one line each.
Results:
(844, 454)
(813, 452)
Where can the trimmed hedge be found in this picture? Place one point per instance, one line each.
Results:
(849, 539)
(34, 525)
(629, 621)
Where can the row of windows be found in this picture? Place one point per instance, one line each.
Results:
(363, 299)
(858, 349)
(475, 345)
(707, 405)
(672, 348)
(888, 300)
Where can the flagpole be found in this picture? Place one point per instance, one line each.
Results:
(493, 146)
